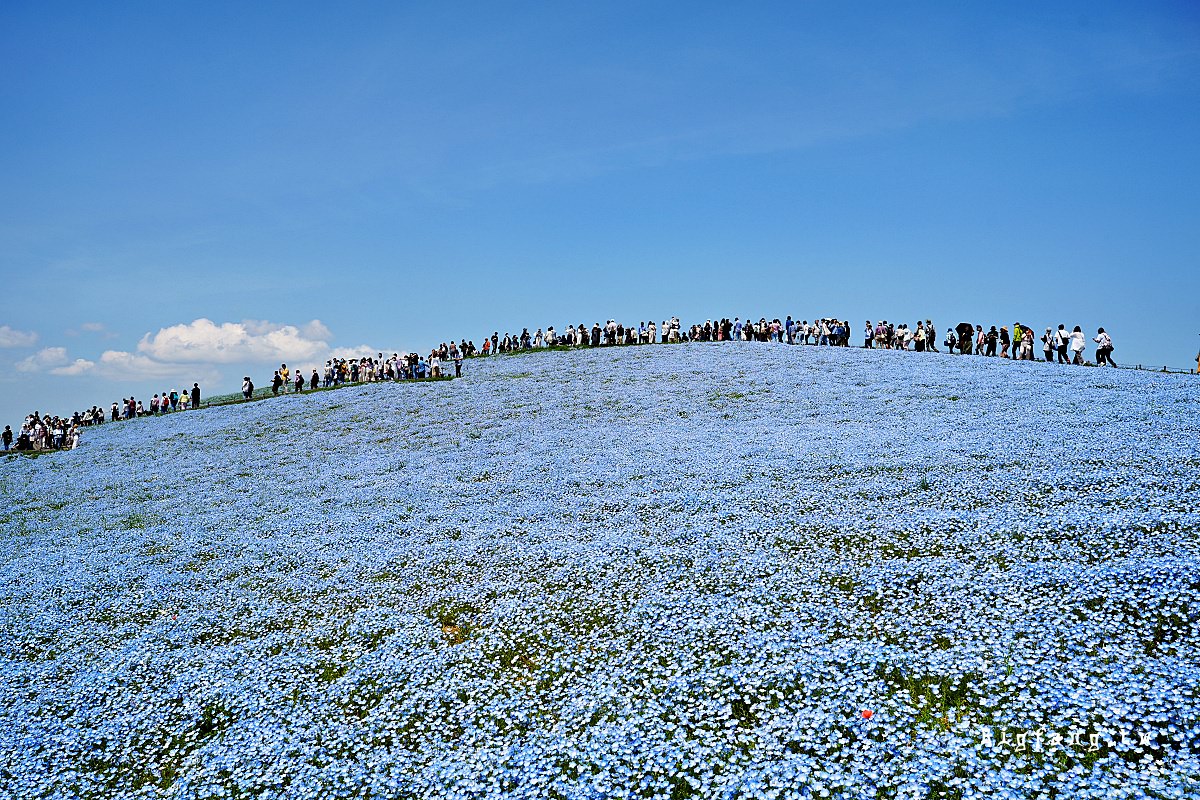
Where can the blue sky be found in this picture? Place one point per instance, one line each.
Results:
(388, 176)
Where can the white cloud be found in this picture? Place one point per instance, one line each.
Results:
(77, 367)
(362, 351)
(45, 358)
(10, 337)
(315, 330)
(119, 364)
(191, 351)
(252, 341)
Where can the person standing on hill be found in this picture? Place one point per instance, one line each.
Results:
(1025, 344)
(195, 395)
(1104, 348)
(7, 437)
(1077, 345)
(1062, 340)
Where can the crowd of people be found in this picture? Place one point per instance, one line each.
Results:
(46, 432)
(822, 331)
(965, 338)
(339, 371)
(1022, 341)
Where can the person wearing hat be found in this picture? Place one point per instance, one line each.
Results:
(1048, 345)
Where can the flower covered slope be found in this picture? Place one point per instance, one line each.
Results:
(667, 571)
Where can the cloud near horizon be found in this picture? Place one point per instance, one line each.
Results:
(76, 367)
(192, 351)
(10, 337)
(250, 341)
(122, 365)
(46, 358)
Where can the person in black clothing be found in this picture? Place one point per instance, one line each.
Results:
(965, 332)
(195, 395)
(276, 383)
(7, 438)
(312, 382)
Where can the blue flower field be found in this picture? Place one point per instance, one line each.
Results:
(728, 570)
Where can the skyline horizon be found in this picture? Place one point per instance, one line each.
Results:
(144, 393)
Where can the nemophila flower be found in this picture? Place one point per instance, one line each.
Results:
(575, 591)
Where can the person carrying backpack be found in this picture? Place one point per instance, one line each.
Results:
(1104, 348)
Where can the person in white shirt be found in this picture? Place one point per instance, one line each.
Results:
(1104, 348)
(1077, 345)
(1061, 340)
(1048, 345)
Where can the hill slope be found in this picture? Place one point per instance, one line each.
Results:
(660, 571)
